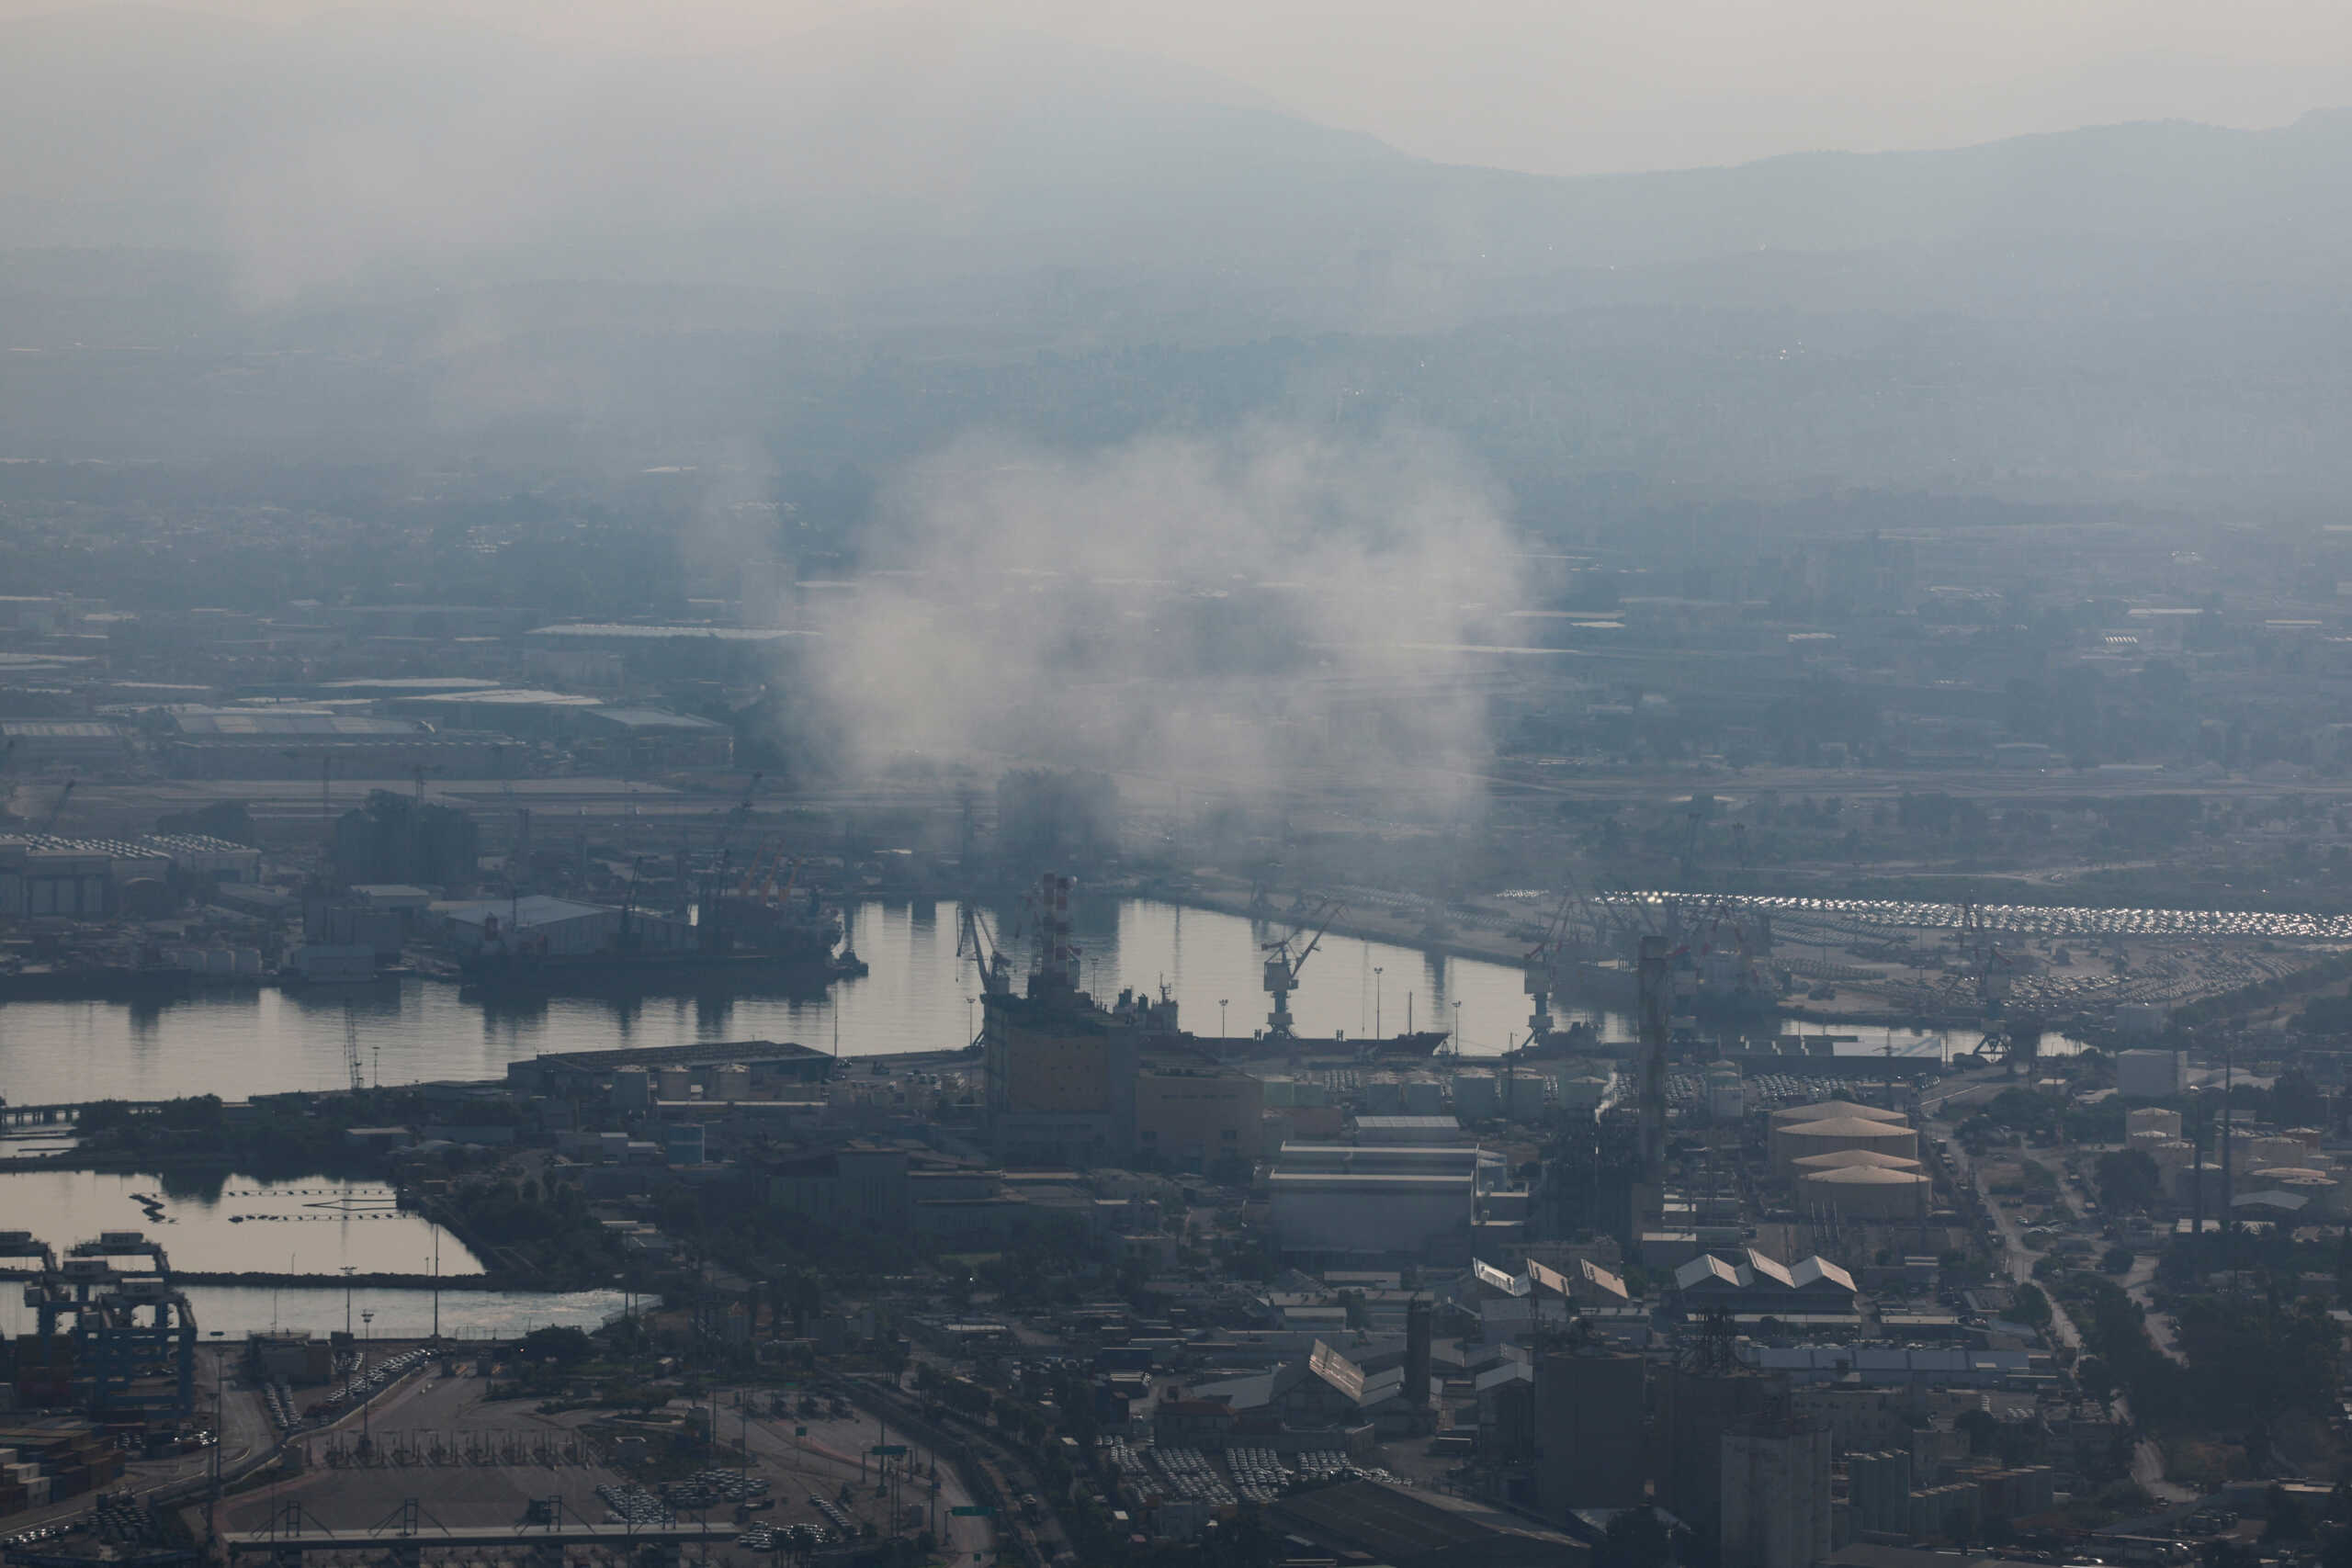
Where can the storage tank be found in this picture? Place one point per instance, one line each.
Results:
(2152, 1119)
(1522, 1096)
(2322, 1193)
(1280, 1094)
(1726, 1097)
(1383, 1097)
(220, 961)
(2263, 1153)
(1832, 1134)
(1582, 1089)
(1424, 1097)
(1474, 1096)
(1824, 1110)
(1864, 1192)
(249, 963)
(1848, 1159)
(2170, 1154)
(676, 1083)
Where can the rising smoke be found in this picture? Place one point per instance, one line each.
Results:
(1263, 611)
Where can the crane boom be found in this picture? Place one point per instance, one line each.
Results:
(1282, 966)
(57, 808)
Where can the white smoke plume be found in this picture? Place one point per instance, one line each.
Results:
(1263, 611)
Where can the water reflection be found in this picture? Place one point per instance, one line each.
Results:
(217, 1223)
(916, 997)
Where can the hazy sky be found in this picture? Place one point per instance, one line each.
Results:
(1583, 86)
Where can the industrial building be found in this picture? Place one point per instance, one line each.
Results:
(297, 743)
(1755, 1285)
(42, 745)
(2151, 1075)
(1335, 1201)
(85, 878)
(1591, 1415)
(1775, 1509)
(1197, 1117)
(1370, 1522)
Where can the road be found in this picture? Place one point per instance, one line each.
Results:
(2147, 1458)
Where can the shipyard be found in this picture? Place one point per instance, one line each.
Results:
(1031, 785)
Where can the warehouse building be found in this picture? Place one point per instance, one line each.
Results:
(44, 745)
(1755, 1284)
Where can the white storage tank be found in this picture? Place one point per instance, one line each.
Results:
(1424, 1097)
(1523, 1097)
(1475, 1097)
(1832, 1134)
(2153, 1119)
(1582, 1089)
(1726, 1097)
(1864, 1192)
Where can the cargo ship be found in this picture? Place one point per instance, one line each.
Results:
(727, 941)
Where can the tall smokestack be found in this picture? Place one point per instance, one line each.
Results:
(1651, 973)
(1417, 1353)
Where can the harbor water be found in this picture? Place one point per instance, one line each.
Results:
(918, 996)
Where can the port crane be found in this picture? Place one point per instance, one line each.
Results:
(57, 808)
(1577, 920)
(351, 1049)
(976, 941)
(1282, 964)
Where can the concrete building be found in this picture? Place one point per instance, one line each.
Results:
(1590, 1418)
(1698, 1408)
(1878, 1492)
(1197, 1118)
(1775, 1509)
(2151, 1075)
(1420, 1214)
(40, 745)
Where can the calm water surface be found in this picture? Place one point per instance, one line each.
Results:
(233, 1310)
(919, 997)
(313, 1225)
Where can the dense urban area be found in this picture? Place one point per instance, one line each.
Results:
(939, 797)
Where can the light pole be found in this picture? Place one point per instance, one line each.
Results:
(1376, 972)
(1457, 1029)
(348, 1271)
(971, 1029)
(366, 1320)
(1221, 1033)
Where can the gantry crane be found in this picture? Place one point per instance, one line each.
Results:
(1282, 964)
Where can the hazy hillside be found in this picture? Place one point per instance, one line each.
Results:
(375, 236)
(919, 149)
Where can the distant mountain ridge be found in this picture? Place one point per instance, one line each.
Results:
(922, 149)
